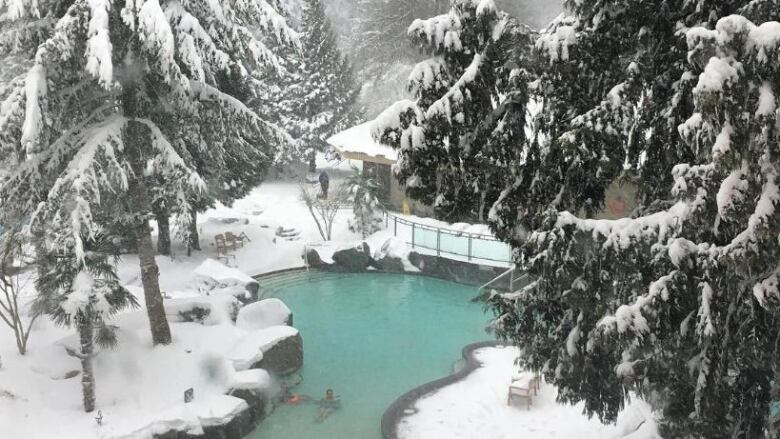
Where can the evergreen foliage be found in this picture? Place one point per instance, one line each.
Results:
(325, 100)
(678, 303)
(597, 99)
(455, 147)
(142, 99)
(364, 192)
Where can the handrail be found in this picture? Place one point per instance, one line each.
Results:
(465, 240)
(499, 277)
(481, 236)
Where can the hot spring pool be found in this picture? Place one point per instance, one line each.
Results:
(371, 337)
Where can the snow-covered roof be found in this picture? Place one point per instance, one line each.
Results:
(356, 143)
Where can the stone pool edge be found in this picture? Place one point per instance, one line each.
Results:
(397, 410)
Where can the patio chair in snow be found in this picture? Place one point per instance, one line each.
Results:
(234, 240)
(524, 387)
(223, 247)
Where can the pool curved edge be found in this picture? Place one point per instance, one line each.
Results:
(395, 412)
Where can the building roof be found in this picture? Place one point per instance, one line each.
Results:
(356, 143)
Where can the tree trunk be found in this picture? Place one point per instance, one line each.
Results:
(39, 244)
(150, 273)
(482, 206)
(161, 333)
(136, 141)
(313, 161)
(87, 335)
(163, 230)
(194, 238)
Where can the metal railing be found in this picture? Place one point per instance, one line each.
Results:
(472, 246)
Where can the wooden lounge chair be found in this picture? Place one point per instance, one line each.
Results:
(236, 240)
(233, 240)
(524, 387)
(222, 248)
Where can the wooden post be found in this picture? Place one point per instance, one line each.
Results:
(412, 235)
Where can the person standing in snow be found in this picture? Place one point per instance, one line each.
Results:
(324, 184)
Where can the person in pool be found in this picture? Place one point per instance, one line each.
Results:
(288, 397)
(329, 404)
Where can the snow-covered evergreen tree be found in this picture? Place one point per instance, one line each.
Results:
(364, 192)
(280, 98)
(449, 138)
(83, 291)
(142, 99)
(328, 93)
(680, 303)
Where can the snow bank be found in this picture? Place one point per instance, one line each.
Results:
(253, 379)
(476, 408)
(218, 409)
(208, 310)
(214, 277)
(263, 314)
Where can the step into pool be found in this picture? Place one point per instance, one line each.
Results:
(371, 337)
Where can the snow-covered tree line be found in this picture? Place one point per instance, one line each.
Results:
(318, 96)
(679, 302)
(374, 34)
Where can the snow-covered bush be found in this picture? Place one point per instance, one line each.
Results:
(364, 193)
(14, 311)
(323, 210)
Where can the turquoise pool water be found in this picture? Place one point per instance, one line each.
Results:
(371, 337)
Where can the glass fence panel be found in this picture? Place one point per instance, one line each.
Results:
(402, 230)
(425, 238)
(491, 250)
(457, 245)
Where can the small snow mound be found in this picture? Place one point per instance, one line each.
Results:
(263, 314)
(215, 277)
(218, 410)
(252, 379)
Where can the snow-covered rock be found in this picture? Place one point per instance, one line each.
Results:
(215, 278)
(264, 314)
(353, 258)
(249, 351)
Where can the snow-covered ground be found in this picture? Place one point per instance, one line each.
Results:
(274, 204)
(476, 408)
(139, 389)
